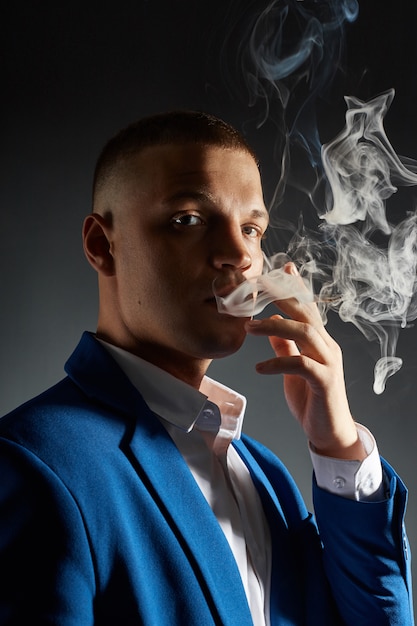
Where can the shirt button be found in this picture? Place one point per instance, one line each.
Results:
(339, 482)
(368, 484)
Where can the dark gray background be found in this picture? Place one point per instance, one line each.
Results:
(74, 73)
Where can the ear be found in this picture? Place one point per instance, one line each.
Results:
(96, 242)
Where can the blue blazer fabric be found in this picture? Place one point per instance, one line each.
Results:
(102, 523)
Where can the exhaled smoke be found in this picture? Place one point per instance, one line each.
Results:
(356, 261)
(376, 284)
(248, 297)
(290, 59)
(372, 286)
(361, 166)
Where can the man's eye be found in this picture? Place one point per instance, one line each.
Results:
(252, 231)
(187, 219)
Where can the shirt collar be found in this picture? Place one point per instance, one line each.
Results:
(177, 402)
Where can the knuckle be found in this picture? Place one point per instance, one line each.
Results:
(309, 331)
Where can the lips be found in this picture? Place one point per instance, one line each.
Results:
(226, 282)
(223, 291)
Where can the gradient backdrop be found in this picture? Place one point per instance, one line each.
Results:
(73, 73)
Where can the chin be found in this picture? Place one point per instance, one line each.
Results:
(228, 345)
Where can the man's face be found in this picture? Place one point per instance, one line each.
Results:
(185, 215)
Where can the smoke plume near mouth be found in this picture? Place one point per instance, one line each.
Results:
(248, 297)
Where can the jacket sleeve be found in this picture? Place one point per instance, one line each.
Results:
(45, 563)
(366, 555)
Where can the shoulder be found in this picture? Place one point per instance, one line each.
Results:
(60, 428)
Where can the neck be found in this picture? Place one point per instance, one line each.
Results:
(190, 370)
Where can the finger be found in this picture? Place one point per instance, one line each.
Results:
(300, 366)
(280, 345)
(304, 337)
(302, 311)
(283, 347)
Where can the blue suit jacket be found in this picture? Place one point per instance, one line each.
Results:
(102, 523)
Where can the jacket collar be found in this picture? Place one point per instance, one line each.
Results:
(94, 371)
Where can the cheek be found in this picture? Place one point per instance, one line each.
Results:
(137, 258)
(151, 276)
(257, 262)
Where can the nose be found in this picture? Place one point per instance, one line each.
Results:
(230, 250)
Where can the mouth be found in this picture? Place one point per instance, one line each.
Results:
(235, 301)
(226, 284)
(223, 291)
(215, 303)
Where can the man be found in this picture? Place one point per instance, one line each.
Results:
(128, 495)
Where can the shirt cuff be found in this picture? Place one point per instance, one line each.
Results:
(356, 480)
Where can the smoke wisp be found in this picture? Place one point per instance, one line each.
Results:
(373, 286)
(376, 284)
(358, 262)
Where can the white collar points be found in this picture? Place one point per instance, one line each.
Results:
(212, 408)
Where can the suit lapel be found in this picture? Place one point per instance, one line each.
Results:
(286, 513)
(184, 507)
(267, 493)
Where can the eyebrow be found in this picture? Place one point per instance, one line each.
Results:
(207, 196)
(260, 214)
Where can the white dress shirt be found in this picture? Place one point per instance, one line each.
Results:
(202, 423)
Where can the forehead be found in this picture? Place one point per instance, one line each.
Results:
(165, 168)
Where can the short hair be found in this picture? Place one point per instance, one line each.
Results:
(173, 127)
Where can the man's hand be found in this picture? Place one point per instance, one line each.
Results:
(314, 385)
